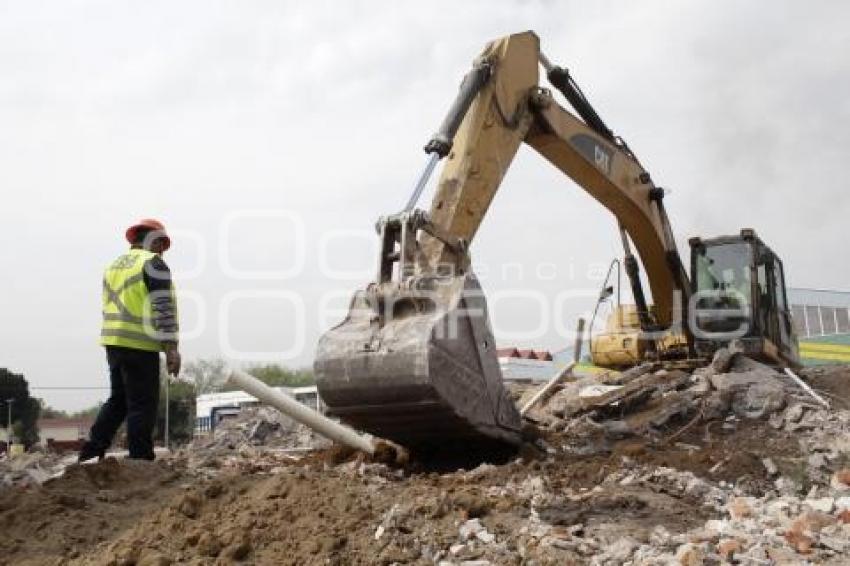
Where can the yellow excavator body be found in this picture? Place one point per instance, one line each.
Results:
(623, 344)
(414, 360)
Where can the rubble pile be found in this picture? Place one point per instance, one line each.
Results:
(257, 439)
(729, 464)
(32, 468)
(781, 527)
(661, 404)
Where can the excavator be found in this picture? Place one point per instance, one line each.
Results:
(414, 360)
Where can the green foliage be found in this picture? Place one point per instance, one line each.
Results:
(181, 411)
(18, 430)
(25, 409)
(48, 412)
(276, 374)
(207, 375)
(90, 412)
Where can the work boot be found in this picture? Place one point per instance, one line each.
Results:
(89, 452)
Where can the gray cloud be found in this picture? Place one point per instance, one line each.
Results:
(188, 111)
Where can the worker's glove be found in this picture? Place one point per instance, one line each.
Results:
(172, 359)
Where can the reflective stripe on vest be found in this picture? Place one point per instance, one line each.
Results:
(127, 315)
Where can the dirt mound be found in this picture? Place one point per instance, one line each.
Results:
(64, 517)
(369, 514)
(832, 381)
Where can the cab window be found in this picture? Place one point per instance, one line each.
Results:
(725, 267)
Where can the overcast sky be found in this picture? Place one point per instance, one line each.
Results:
(269, 136)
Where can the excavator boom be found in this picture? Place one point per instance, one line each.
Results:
(512, 109)
(414, 361)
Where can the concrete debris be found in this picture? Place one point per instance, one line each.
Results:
(668, 468)
(653, 402)
(632, 373)
(841, 480)
(617, 553)
(258, 439)
(769, 466)
(259, 426)
(474, 529)
(722, 361)
(759, 400)
(32, 468)
(822, 504)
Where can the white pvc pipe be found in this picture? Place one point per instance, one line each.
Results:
(547, 388)
(806, 388)
(300, 412)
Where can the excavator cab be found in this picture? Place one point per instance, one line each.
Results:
(738, 293)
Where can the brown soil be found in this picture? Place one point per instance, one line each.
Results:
(832, 381)
(125, 513)
(320, 516)
(91, 503)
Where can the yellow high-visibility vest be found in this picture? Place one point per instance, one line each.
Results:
(127, 313)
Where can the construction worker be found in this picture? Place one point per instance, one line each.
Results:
(139, 321)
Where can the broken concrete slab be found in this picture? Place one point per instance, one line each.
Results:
(633, 373)
(741, 380)
(758, 401)
(721, 361)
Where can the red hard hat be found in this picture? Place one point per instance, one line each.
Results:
(150, 224)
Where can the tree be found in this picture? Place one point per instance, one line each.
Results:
(207, 375)
(90, 412)
(181, 411)
(276, 375)
(48, 412)
(25, 409)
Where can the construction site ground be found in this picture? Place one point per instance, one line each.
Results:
(618, 500)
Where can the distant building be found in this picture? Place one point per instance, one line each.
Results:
(526, 365)
(63, 433)
(212, 408)
(822, 320)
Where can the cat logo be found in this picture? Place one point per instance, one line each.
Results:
(601, 159)
(590, 148)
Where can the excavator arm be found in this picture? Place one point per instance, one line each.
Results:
(509, 109)
(414, 360)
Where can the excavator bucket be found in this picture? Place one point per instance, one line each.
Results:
(414, 361)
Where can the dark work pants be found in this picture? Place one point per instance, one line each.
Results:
(134, 383)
